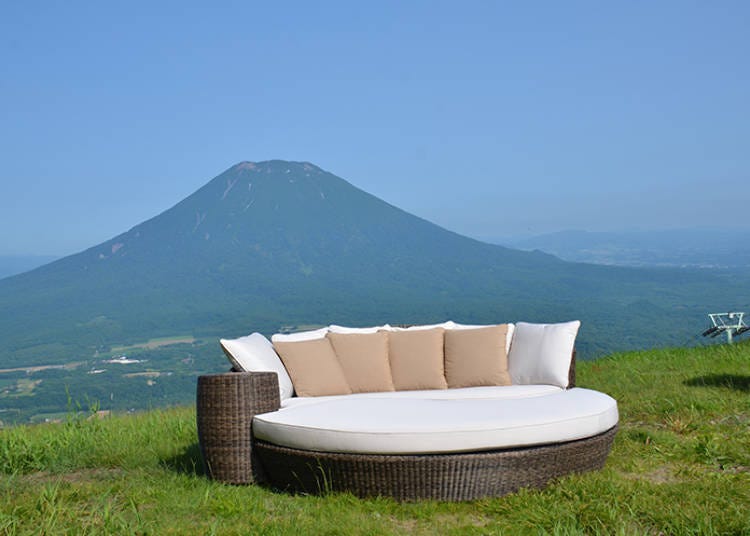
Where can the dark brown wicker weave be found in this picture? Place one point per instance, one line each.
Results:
(444, 477)
(572, 371)
(227, 403)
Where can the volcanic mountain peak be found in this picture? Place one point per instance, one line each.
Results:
(274, 166)
(244, 165)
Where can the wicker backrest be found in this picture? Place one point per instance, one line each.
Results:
(572, 371)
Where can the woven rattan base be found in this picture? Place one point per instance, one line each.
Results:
(445, 477)
(226, 405)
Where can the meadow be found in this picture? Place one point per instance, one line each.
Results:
(680, 465)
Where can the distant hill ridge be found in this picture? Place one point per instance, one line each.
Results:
(699, 248)
(266, 244)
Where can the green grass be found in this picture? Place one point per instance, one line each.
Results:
(680, 465)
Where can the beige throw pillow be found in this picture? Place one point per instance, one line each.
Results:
(416, 358)
(313, 367)
(475, 357)
(364, 359)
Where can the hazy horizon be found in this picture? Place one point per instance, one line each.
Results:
(490, 120)
(512, 241)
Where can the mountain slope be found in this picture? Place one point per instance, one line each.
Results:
(274, 243)
(16, 264)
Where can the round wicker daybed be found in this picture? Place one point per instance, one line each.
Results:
(367, 446)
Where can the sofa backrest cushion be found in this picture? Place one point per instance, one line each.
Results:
(255, 353)
(541, 353)
(313, 366)
(508, 334)
(416, 358)
(420, 327)
(333, 328)
(364, 359)
(476, 357)
(300, 336)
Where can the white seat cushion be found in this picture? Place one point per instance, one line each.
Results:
(491, 392)
(370, 425)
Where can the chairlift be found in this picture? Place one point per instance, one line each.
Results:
(710, 331)
(733, 324)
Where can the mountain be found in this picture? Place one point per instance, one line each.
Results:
(727, 249)
(273, 243)
(16, 264)
(276, 245)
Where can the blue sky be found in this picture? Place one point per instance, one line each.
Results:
(493, 119)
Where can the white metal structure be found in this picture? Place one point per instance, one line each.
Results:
(732, 324)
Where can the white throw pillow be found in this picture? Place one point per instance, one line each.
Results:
(300, 335)
(508, 336)
(347, 330)
(540, 353)
(255, 353)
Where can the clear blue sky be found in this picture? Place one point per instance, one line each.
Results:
(490, 118)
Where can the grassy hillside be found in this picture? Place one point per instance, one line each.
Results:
(680, 465)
